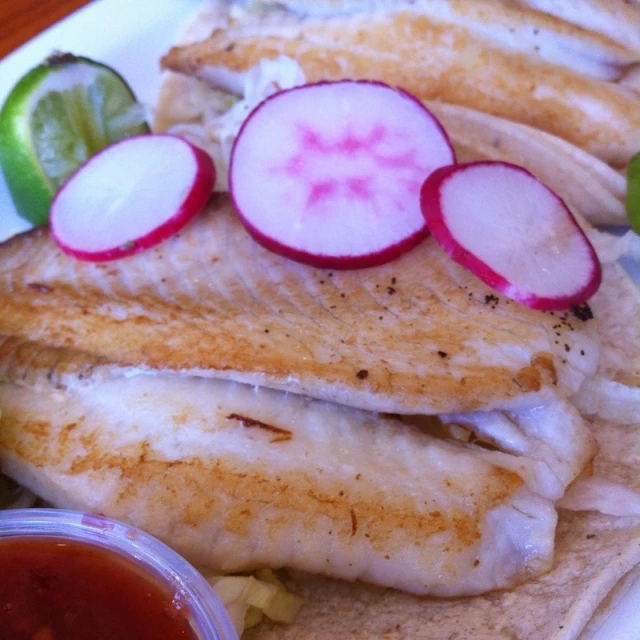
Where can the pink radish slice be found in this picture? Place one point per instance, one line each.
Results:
(130, 197)
(511, 231)
(329, 174)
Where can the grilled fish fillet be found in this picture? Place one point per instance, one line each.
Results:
(492, 56)
(618, 20)
(419, 335)
(237, 477)
(597, 38)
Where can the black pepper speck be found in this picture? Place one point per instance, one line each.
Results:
(582, 312)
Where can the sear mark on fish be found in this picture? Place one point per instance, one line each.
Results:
(251, 423)
(532, 377)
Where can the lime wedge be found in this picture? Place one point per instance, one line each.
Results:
(59, 114)
(633, 193)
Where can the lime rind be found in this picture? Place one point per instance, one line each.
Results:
(29, 189)
(632, 203)
(59, 115)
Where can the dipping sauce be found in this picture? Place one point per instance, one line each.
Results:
(54, 589)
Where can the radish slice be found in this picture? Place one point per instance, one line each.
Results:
(511, 231)
(329, 174)
(130, 197)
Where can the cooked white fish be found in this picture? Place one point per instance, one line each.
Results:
(492, 56)
(237, 477)
(419, 335)
(498, 23)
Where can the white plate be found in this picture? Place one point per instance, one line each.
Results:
(131, 36)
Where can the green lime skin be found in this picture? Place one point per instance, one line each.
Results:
(632, 203)
(31, 192)
(42, 144)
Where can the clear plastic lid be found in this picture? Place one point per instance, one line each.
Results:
(207, 614)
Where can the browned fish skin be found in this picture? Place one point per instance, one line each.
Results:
(212, 302)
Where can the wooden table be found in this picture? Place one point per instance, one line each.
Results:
(23, 19)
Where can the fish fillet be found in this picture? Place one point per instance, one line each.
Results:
(419, 335)
(500, 23)
(617, 20)
(237, 477)
(490, 56)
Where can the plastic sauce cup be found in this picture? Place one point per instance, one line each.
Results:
(136, 552)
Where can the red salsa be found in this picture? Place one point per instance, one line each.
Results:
(53, 589)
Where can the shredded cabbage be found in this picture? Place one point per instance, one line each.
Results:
(221, 115)
(248, 599)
